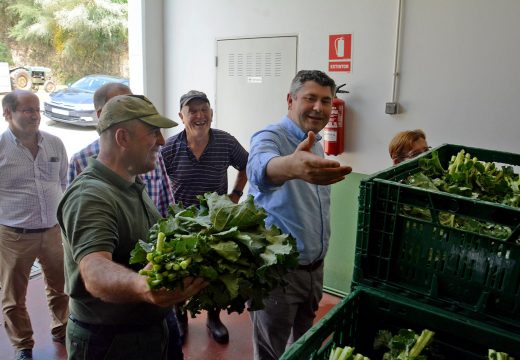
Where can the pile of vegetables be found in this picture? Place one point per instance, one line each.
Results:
(467, 176)
(497, 355)
(346, 353)
(225, 243)
(405, 345)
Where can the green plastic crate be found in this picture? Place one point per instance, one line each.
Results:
(412, 272)
(356, 320)
(468, 273)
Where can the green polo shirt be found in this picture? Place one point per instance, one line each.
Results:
(100, 211)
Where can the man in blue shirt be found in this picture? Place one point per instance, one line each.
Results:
(290, 179)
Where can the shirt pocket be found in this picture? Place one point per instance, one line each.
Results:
(50, 170)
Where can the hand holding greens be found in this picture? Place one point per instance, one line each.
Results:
(222, 242)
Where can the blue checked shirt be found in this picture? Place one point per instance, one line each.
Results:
(156, 181)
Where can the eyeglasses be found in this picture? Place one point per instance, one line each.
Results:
(30, 111)
(413, 154)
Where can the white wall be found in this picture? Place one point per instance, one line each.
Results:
(146, 44)
(459, 78)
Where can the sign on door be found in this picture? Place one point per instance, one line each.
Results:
(340, 52)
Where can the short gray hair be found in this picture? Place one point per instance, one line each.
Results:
(10, 101)
(311, 75)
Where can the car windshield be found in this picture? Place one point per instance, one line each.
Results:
(91, 84)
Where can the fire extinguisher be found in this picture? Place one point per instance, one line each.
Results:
(333, 133)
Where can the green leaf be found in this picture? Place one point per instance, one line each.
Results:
(229, 250)
(138, 254)
(231, 283)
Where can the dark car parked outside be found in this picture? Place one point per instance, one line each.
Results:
(75, 104)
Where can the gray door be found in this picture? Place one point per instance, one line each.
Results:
(253, 78)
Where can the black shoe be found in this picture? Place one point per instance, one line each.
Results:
(182, 318)
(218, 331)
(25, 354)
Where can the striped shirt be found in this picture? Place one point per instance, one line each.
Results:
(31, 188)
(191, 177)
(156, 181)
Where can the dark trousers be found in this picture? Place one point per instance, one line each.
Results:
(96, 342)
(175, 341)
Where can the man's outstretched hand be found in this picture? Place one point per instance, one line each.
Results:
(304, 165)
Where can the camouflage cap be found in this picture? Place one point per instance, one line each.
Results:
(129, 107)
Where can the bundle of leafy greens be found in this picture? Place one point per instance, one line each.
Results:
(225, 243)
(405, 345)
(467, 176)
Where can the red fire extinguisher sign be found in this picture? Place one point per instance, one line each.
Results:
(340, 52)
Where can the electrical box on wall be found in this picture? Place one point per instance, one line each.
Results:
(391, 108)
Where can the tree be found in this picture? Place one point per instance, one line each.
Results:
(78, 37)
(5, 54)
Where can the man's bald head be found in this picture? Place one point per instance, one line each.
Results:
(107, 92)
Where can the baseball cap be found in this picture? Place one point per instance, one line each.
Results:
(193, 94)
(129, 107)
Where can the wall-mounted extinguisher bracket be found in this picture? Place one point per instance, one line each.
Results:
(339, 91)
(333, 133)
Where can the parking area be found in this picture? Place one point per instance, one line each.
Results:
(74, 138)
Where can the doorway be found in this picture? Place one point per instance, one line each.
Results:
(253, 78)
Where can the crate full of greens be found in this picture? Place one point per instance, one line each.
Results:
(225, 243)
(379, 325)
(445, 228)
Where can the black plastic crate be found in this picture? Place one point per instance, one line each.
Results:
(356, 320)
(468, 273)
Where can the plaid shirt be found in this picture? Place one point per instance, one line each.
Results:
(156, 181)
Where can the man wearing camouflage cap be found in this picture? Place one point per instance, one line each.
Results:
(102, 215)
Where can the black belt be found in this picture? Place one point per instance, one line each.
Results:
(312, 266)
(117, 328)
(26, 231)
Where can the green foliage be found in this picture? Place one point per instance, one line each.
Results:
(405, 345)
(77, 37)
(467, 176)
(223, 242)
(5, 54)
(498, 355)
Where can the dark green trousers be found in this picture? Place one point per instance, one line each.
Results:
(98, 342)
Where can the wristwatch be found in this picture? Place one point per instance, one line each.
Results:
(237, 192)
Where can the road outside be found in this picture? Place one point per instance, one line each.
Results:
(74, 138)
